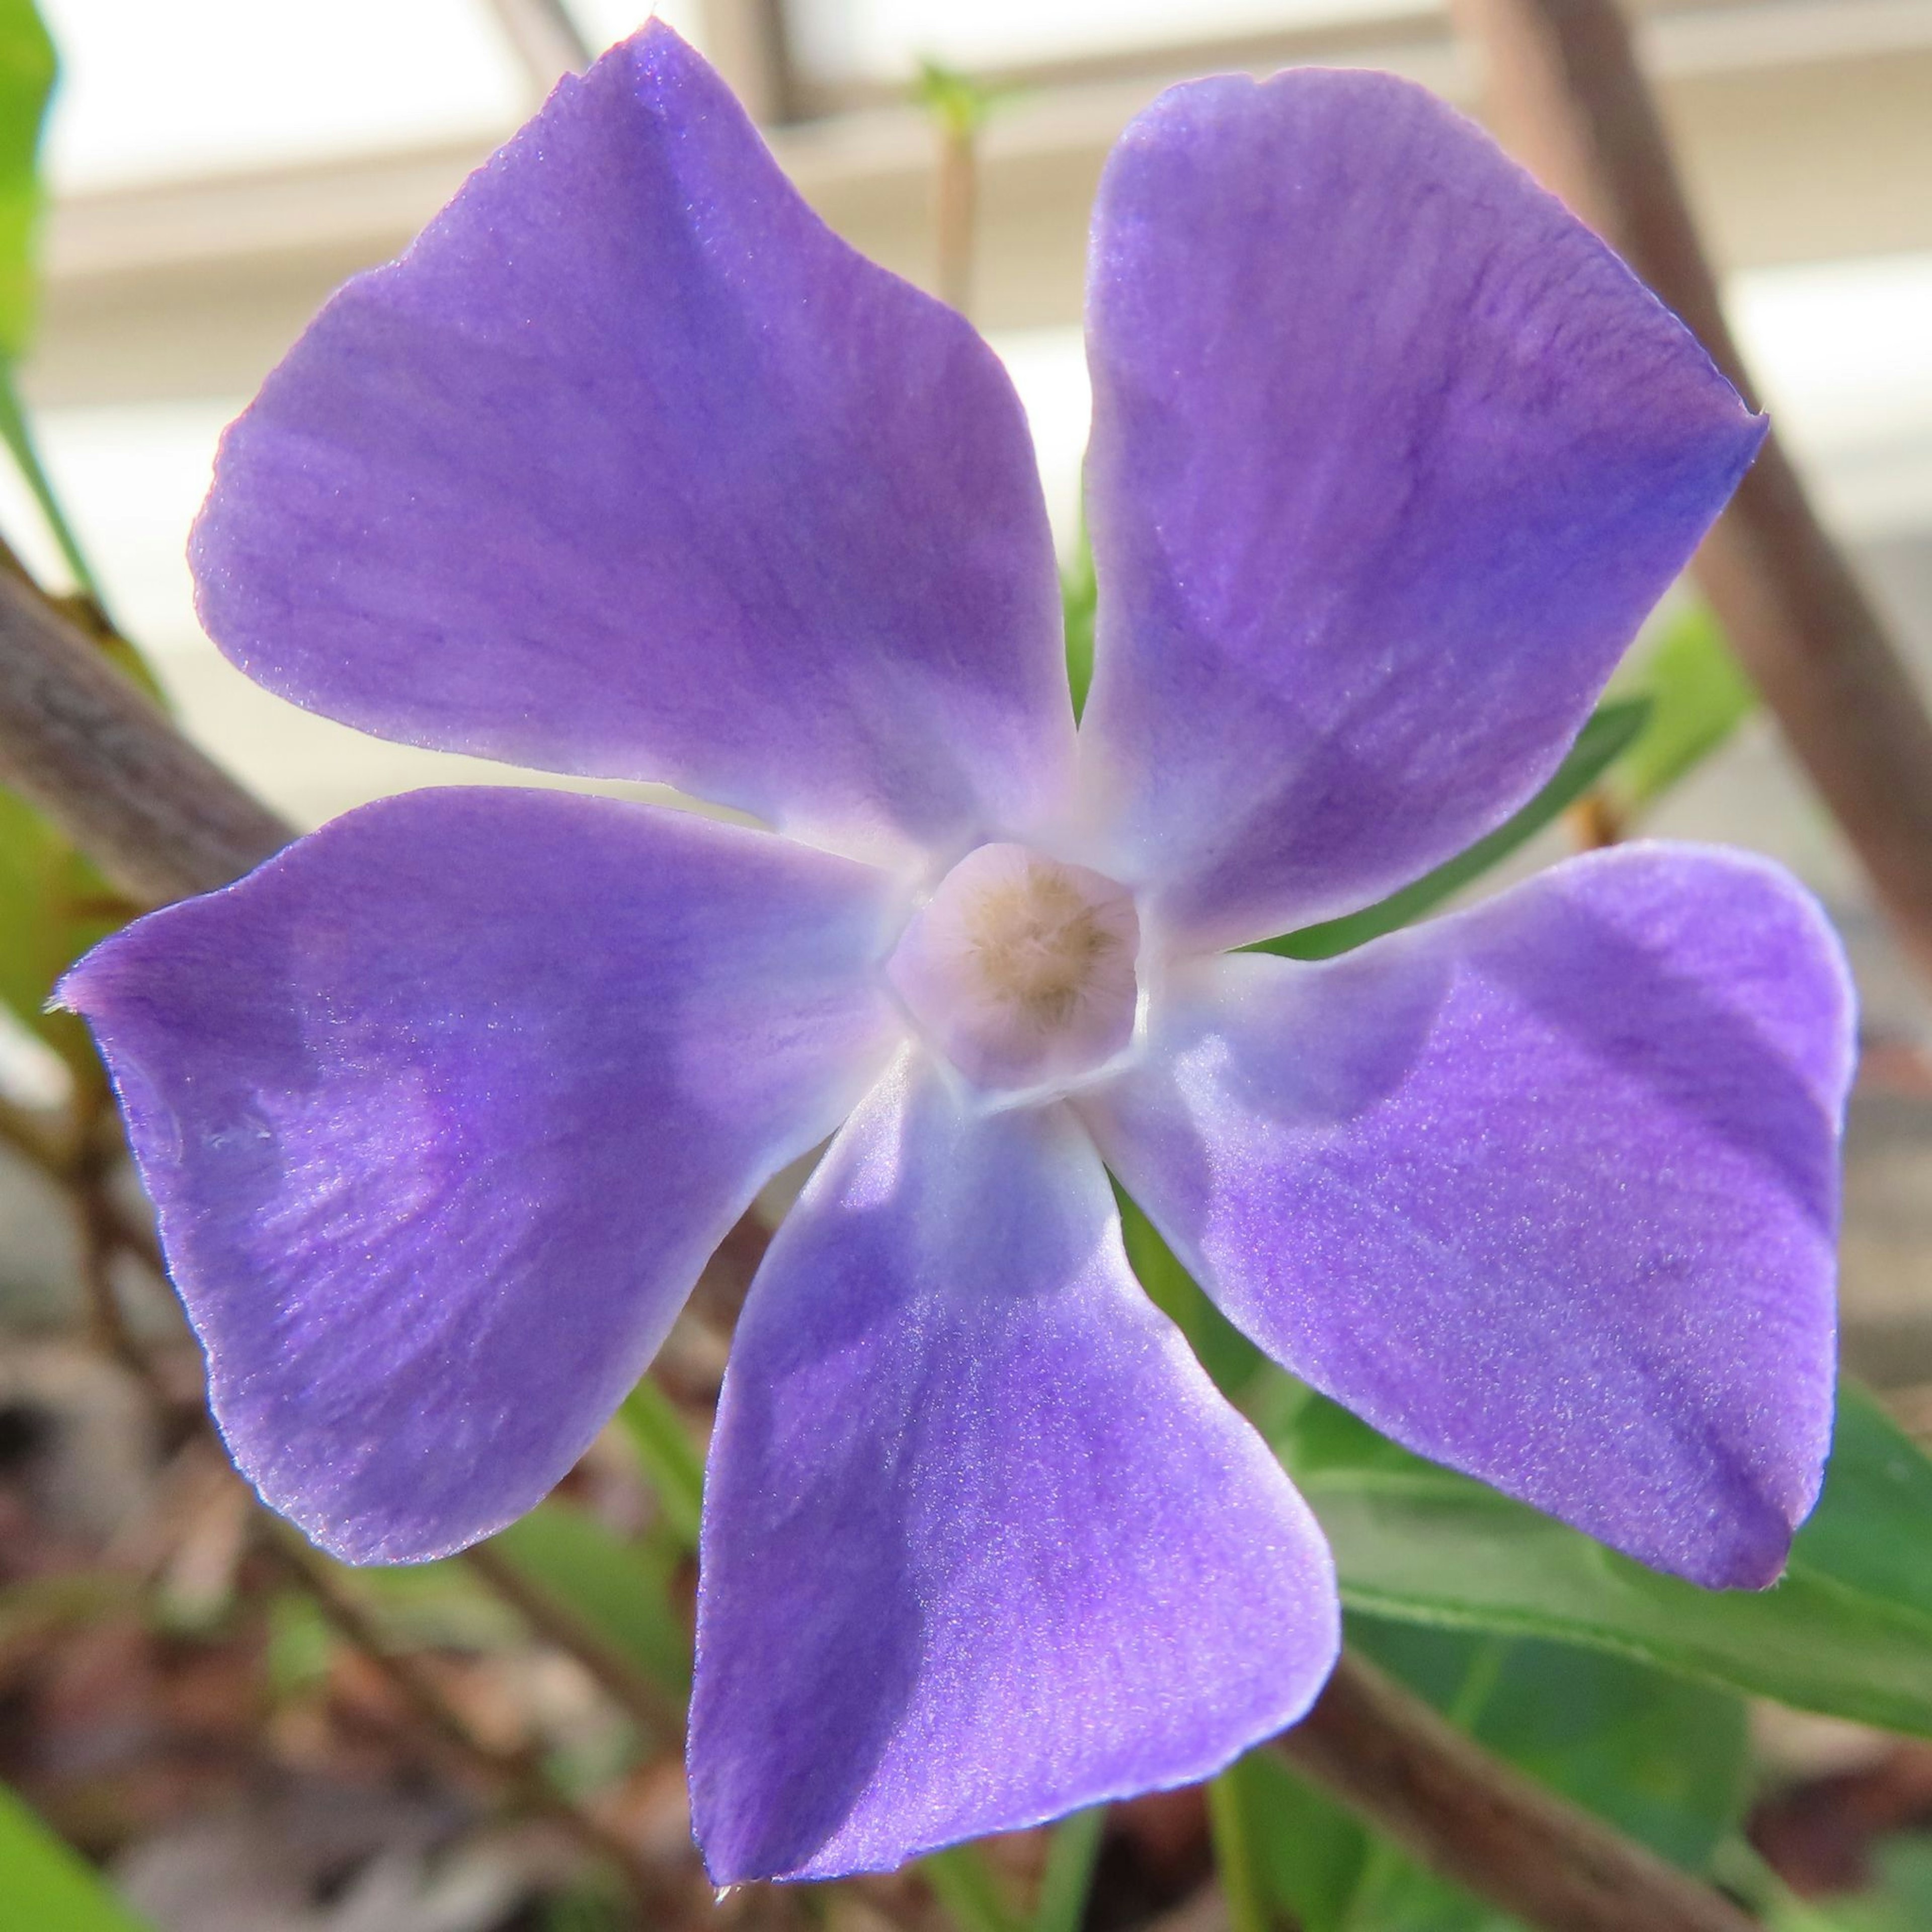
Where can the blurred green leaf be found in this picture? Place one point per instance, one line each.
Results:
(1662, 1760)
(621, 1590)
(969, 1889)
(1225, 1352)
(27, 67)
(1611, 731)
(1848, 1631)
(1078, 592)
(1900, 1899)
(300, 1645)
(1068, 1877)
(53, 906)
(1698, 698)
(671, 1462)
(47, 1886)
(1284, 1854)
(957, 102)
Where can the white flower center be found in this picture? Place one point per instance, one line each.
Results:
(1020, 968)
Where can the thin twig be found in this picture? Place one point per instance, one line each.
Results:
(547, 40)
(49, 1144)
(89, 1179)
(956, 213)
(1465, 1814)
(44, 1140)
(515, 1774)
(554, 1622)
(1570, 95)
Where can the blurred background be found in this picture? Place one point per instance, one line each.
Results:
(215, 167)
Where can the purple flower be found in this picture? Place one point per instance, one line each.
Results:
(630, 468)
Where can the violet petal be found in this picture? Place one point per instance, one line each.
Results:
(982, 1542)
(1391, 457)
(631, 467)
(1547, 1190)
(443, 1109)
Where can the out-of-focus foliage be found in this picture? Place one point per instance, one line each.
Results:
(45, 1886)
(1079, 594)
(1664, 1761)
(621, 1590)
(1613, 731)
(53, 906)
(1698, 697)
(1847, 1632)
(27, 69)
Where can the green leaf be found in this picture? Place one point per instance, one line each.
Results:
(1612, 730)
(1078, 595)
(671, 1462)
(44, 1883)
(1285, 1855)
(27, 67)
(1848, 1632)
(961, 105)
(1698, 698)
(1225, 1352)
(621, 1590)
(1664, 1761)
(53, 906)
(1068, 1877)
(969, 1889)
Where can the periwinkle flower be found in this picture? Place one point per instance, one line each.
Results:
(630, 468)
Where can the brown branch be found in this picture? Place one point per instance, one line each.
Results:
(956, 212)
(554, 1622)
(515, 1774)
(546, 40)
(78, 742)
(1569, 95)
(1465, 1814)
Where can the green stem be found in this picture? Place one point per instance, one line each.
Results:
(19, 438)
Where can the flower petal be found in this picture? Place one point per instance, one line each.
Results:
(1547, 1190)
(631, 467)
(982, 1544)
(443, 1109)
(1391, 457)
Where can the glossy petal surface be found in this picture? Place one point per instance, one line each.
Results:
(1547, 1190)
(982, 1544)
(630, 467)
(1391, 457)
(444, 1108)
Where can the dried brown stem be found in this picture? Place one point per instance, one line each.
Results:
(515, 1774)
(1569, 95)
(554, 1622)
(78, 741)
(956, 212)
(1462, 1812)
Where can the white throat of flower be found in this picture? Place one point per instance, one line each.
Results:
(1021, 969)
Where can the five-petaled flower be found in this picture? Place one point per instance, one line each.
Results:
(630, 468)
